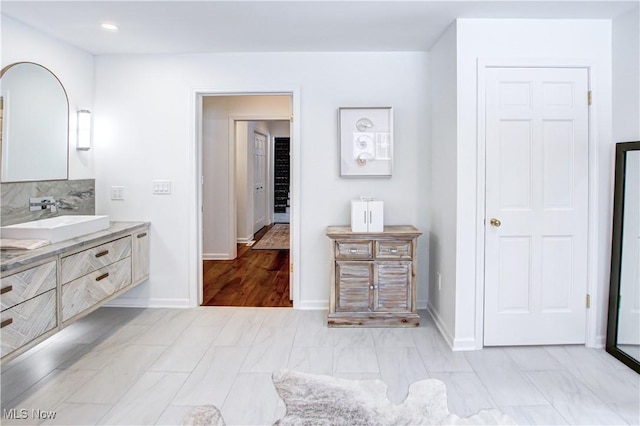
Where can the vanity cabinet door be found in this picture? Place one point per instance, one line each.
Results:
(28, 320)
(92, 259)
(24, 285)
(354, 286)
(140, 256)
(86, 292)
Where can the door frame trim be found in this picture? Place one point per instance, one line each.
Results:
(267, 182)
(195, 150)
(591, 337)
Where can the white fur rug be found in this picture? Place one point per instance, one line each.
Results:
(324, 400)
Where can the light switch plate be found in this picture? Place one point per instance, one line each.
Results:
(162, 187)
(117, 192)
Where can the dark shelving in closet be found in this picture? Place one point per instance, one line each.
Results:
(281, 175)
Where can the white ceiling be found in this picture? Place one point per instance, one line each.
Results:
(269, 26)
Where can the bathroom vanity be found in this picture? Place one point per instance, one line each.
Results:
(44, 290)
(373, 277)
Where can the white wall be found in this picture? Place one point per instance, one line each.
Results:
(626, 77)
(539, 41)
(219, 240)
(72, 66)
(145, 130)
(442, 205)
(280, 129)
(243, 220)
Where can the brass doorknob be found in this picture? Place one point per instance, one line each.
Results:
(495, 222)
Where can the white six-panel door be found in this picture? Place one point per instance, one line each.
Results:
(536, 205)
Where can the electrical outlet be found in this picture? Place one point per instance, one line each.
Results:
(162, 187)
(117, 192)
(439, 281)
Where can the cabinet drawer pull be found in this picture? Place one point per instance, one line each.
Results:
(6, 289)
(102, 253)
(353, 251)
(102, 277)
(6, 322)
(144, 234)
(393, 250)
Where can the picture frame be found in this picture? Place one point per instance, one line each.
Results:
(366, 141)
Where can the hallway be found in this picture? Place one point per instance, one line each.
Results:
(257, 278)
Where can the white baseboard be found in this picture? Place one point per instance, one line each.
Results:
(216, 256)
(468, 344)
(456, 344)
(442, 328)
(600, 343)
(141, 302)
(313, 305)
(244, 240)
(423, 304)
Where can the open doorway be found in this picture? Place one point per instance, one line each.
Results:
(241, 265)
(282, 180)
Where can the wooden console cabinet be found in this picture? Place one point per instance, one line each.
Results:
(373, 277)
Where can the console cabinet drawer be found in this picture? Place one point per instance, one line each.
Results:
(27, 321)
(354, 249)
(92, 259)
(393, 249)
(27, 284)
(83, 293)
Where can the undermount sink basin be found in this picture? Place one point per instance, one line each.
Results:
(56, 229)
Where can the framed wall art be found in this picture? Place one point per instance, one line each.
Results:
(366, 141)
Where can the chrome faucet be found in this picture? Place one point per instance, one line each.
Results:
(43, 203)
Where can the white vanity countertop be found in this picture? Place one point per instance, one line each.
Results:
(13, 259)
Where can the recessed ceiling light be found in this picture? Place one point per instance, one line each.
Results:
(109, 26)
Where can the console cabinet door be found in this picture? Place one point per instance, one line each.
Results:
(393, 286)
(354, 286)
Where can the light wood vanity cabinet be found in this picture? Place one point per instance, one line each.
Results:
(373, 277)
(47, 289)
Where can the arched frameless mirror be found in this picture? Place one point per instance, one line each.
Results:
(35, 124)
(623, 329)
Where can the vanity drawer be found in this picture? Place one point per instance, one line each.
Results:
(90, 260)
(354, 249)
(28, 320)
(85, 292)
(27, 284)
(393, 249)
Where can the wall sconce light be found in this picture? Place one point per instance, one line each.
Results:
(84, 130)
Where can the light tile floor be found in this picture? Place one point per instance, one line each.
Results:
(149, 366)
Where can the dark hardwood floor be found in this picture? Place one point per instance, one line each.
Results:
(254, 278)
